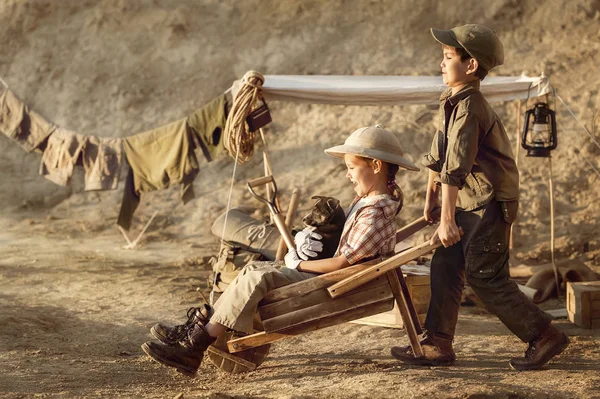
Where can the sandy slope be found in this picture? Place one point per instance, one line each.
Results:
(76, 306)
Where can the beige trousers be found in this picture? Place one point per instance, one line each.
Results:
(235, 308)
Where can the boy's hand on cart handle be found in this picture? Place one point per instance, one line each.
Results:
(442, 236)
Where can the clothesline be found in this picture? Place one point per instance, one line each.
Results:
(156, 158)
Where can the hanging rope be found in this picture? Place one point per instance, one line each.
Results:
(238, 139)
(578, 121)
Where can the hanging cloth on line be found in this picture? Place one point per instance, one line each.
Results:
(157, 159)
(164, 156)
(19, 123)
(208, 124)
(60, 156)
(101, 160)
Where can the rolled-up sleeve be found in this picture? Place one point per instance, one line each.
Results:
(431, 160)
(463, 143)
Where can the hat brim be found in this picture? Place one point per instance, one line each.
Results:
(448, 38)
(341, 150)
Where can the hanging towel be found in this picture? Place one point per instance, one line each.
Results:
(25, 126)
(11, 113)
(101, 158)
(158, 158)
(60, 156)
(208, 125)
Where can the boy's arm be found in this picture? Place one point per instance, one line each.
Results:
(447, 230)
(432, 200)
(323, 265)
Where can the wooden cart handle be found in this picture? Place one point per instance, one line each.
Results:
(379, 269)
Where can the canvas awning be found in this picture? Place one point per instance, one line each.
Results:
(390, 90)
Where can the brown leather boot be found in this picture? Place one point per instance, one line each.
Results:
(437, 351)
(549, 344)
(170, 335)
(186, 354)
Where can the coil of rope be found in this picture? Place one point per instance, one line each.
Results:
(238, 138)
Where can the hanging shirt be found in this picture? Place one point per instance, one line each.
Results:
(208, 125)
(19, 123)
(101, 159)
(157, 159)
(60, 156)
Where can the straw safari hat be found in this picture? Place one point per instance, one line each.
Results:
(373, 142)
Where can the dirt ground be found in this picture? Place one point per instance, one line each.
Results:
(75, 306)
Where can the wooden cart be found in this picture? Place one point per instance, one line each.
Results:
(327, 300)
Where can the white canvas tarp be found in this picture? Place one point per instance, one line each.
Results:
(390, 90)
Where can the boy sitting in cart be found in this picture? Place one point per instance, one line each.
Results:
(373, 156)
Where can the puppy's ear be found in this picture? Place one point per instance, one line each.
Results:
(319, 198)
(332, 204)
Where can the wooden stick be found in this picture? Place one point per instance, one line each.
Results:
(260, 181)
(517, 148)
(134, 243)
(554, 266)
(289, 221)
(283, 230)
(267, 166)
(370, 273)
(122, 230)
(268, 172)
(411, 228)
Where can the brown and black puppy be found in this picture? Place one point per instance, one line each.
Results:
(328, 217)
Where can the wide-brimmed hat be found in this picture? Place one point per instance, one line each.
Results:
(480, 42)
(373, 142)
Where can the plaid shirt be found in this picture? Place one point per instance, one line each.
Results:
(371, 231)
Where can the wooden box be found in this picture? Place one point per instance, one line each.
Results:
(420, 293)
(583, 304)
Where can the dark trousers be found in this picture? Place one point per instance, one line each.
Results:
(482, 257)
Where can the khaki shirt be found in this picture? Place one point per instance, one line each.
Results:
(472, 151)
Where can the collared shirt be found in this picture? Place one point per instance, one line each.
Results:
(371, 230)
(472, 151)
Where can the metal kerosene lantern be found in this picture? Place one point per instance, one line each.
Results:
(539, 135)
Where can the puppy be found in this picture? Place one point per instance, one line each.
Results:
(328, 217)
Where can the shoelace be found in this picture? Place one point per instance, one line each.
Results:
(530, 350)
(183, 330)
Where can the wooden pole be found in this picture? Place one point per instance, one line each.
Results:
(517, 150)
(554, 266)
(289, 221)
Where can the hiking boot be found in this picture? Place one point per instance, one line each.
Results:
(543, 348)
(437, 351)
(170, 335)
(184, 355)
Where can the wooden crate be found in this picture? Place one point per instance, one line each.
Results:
(583, 304)
(420, 293)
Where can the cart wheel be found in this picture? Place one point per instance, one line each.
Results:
(239, 362)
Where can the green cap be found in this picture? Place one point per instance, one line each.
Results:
(480, 42)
